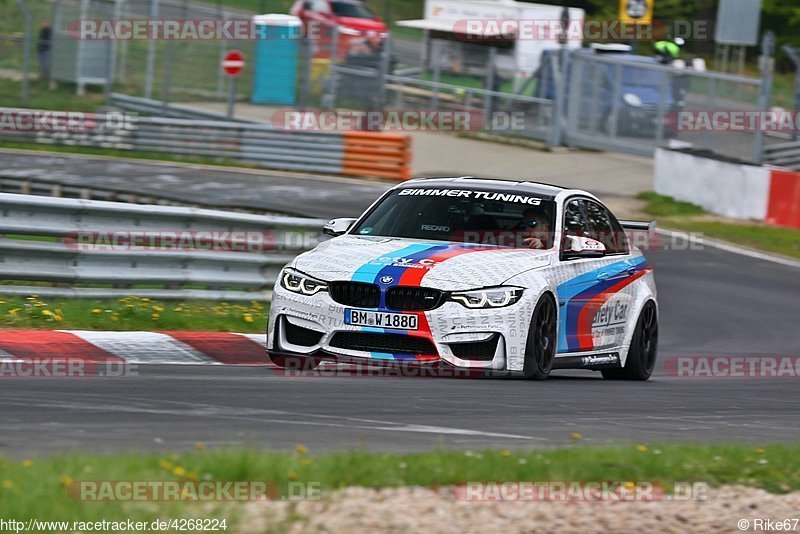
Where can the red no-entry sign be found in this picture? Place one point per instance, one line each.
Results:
(233, 63)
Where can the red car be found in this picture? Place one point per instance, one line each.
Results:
(357, 24)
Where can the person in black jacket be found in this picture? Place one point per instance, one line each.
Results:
(43, 50)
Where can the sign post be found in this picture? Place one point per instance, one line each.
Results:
(232, 65)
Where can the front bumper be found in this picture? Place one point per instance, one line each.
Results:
(455, 336)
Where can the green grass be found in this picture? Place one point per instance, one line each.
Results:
(664, 206)
(130, 313)
(688, 217)
(41, 97)
(37, 487)
(135, 154)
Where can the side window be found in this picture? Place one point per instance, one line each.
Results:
(575, 220)
(604, 230)
(621, 236)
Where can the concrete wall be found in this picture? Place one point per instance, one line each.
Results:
(729, 189)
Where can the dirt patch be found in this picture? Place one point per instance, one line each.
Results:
(414, 509)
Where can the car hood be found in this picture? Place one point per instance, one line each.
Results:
(447, 266)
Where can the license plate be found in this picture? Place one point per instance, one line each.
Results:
(397, 321)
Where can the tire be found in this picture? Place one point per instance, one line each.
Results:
(644, 347)
(540, 350)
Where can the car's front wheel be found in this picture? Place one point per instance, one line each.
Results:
(540, 350)
(644, 345)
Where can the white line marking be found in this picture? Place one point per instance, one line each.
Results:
(264, 416)
(728, 247)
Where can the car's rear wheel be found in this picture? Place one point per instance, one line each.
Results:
(540, 350)
(644, 347)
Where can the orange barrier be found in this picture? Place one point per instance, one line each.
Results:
(377, 154)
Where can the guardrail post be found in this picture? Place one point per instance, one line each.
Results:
(307, 49)
(662, 112)
(437, 72)
(151, 55)
(711, 105)
(112, 57)
(560, 70)
(490, 83)
(26, 47)
(764, 90)
(794, 55)
(612, 130)
(385, 66)
(329, 98)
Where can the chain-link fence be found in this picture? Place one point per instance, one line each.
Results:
(583, 98)
(629, 104)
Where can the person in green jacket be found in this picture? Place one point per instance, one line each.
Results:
(668, 51)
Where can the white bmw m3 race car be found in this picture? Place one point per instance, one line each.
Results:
(491, 277)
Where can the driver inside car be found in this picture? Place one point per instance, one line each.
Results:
(534, 229)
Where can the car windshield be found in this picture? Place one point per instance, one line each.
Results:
(351, 9)
(486, 217)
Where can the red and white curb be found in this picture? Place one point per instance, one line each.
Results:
(198, 348)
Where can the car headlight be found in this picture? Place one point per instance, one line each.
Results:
(297, 282)
(491, 297)
(632, 100)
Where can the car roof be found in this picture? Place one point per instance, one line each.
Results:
(544, 191)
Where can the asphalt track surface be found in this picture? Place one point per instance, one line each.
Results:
(712, 303)
(210, 186)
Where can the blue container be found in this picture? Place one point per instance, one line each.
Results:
(275, 62)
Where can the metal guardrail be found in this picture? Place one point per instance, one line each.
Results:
(149, 106)
(783, 155)
(88, 248)
(351, 153)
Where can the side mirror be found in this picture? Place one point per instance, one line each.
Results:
(337, 227)
(583, 247)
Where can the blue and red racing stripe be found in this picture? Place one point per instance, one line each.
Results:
(405, 269)
(585, 294)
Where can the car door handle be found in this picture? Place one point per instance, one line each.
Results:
(631, 271)
(602, 276)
